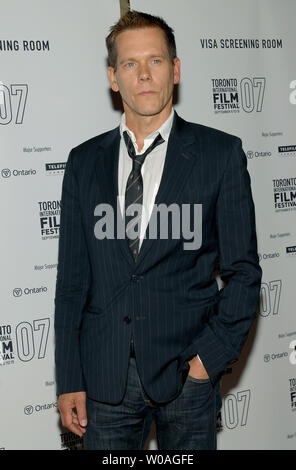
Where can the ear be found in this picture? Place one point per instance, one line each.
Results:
(112, 78)
(177, 70)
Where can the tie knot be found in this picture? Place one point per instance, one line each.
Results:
(138, 159)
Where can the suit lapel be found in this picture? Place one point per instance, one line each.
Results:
(181, 156)
(107, 177)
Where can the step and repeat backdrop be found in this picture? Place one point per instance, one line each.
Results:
(238, 75)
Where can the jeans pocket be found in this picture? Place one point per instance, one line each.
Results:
(196, 380)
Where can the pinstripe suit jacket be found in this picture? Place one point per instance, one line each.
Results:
(169, 299)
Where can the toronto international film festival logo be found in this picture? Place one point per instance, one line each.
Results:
(181, 218)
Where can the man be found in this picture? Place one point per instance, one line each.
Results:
(141, 328)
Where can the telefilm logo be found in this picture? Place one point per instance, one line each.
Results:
(6, 346)
(55, 168)
(287, 151)
(13, 100)
(49, 213)
(231, 95)
(284, 194)
(70, 441)
(293, 393)
(291, 250)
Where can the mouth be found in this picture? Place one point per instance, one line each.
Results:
(148, 92)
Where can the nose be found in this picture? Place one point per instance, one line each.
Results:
(144, 72)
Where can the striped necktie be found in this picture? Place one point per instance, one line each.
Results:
(134, 191)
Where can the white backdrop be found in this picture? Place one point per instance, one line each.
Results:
(238, 75)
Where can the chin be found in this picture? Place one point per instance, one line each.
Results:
(149, 111)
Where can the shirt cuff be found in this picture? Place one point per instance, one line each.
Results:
(199, 358)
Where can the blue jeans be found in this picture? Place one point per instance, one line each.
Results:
(187, 422)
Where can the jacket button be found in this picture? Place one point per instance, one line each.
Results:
(136, 277)
(127, 319)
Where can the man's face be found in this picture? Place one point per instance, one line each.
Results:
(145, 75)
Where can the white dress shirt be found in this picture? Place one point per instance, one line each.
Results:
(151, 170)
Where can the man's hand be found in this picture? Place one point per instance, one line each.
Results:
(72, 407)
(197, 369)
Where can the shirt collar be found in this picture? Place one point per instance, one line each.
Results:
(164, 130)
